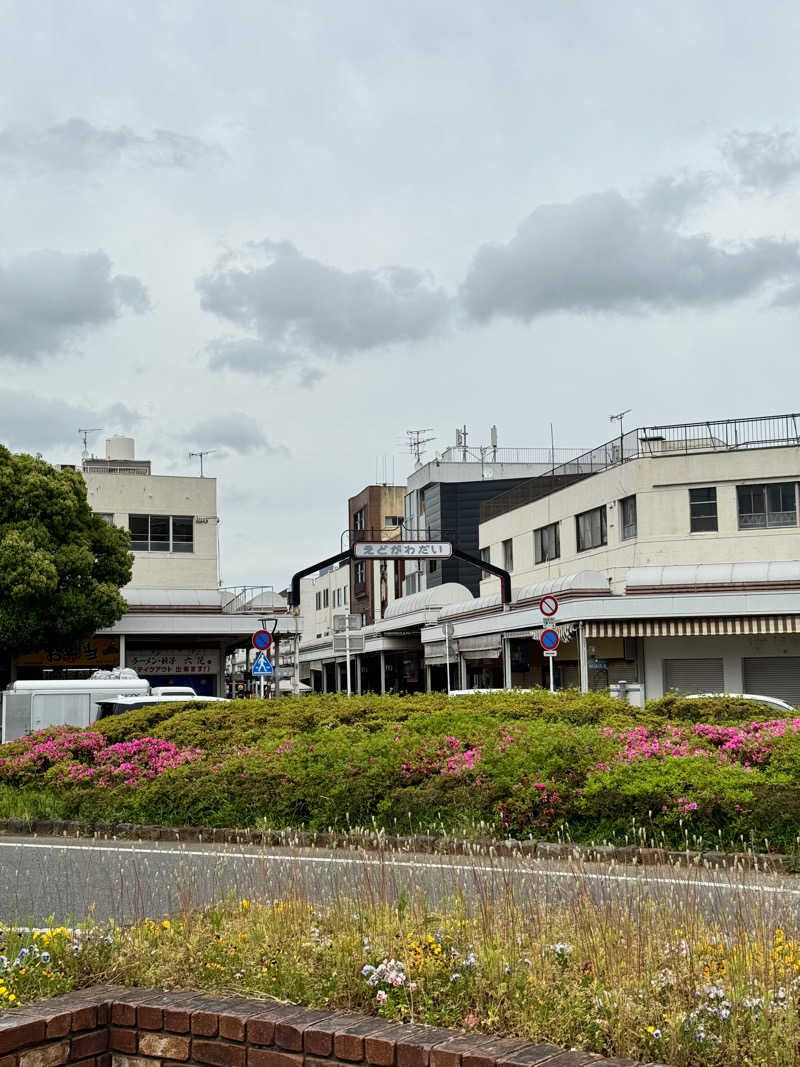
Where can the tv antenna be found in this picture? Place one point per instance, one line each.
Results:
(201, 456)
(86, 432)
(618, 418)
(417, 441)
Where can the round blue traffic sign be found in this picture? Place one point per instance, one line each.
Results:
(262, 639)
(549, 640)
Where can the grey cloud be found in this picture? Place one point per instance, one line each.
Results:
(607, 253)
(762, 161)
(299, 307)
(78, 145)
(672, 197)
(31, 422)
(232, 432)
(48, 299)
(247, 354)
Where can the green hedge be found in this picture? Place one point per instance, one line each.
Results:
(524, 764)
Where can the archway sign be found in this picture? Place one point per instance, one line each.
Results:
(403, 550)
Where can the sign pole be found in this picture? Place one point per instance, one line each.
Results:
(261, 685)
(347, 647)
(552, 685)
(447, 655)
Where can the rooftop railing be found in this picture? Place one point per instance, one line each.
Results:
(681, 438)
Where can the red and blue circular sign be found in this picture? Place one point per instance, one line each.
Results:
(262, 639)
(549, 640)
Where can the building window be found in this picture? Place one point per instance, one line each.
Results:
(182, 533)
(627, 509)
(767, 505)
(359, 572)
(325, 598)
(346, 595)
(486, 556)
(433, 566)
(106, 516)
(508, 555)
(393, 520)
(703, 509)
(590, 528)
(546, 543)
(359, 519)
(161, 533)
(318, 601)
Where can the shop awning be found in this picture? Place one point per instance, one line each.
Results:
(699, 627)
(483, 646)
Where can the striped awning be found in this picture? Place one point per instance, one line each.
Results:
(700, 627)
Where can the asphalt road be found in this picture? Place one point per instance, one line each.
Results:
(43, 879)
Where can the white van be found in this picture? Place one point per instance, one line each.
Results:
(35, 705)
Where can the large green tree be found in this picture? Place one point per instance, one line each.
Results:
(61, 566)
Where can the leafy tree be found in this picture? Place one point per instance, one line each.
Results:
(61, 566)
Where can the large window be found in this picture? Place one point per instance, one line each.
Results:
(393, 520)
(546, 543)
(590, 529)
(627, 508)
(161, 533)
(359, 572)
(508, 555)
(703, 509)
(359, 519)
(767, 505)
(486, 556)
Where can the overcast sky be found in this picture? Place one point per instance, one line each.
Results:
(292, 231)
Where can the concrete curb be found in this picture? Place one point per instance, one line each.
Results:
(772, 862)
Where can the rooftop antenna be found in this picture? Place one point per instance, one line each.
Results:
(92, 429)
(417, 442)
(461, 440)
(493, 439)
(618, 418)
(201, 456)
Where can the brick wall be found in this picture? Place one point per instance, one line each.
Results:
(110, 1027)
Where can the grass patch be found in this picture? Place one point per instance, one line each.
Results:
(656, 981)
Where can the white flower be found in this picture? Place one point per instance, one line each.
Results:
(381, 997)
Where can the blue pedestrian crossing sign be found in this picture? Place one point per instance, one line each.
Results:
(262, 666)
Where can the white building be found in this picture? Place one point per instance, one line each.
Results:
(172, 520)
(675, 556)
(181, 626)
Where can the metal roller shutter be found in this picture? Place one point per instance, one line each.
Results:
(773, 676)
(693, 676)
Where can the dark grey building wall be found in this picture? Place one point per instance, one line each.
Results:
(452, 513)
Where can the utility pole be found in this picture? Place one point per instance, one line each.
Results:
(417, 442)
(200, 456)
(618, 418)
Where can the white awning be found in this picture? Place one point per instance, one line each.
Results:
(703, 575)
(698, 627)
(581, 582)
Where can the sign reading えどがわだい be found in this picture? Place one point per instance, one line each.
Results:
(402, 549)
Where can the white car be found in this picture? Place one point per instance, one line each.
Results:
(117, 705)
(771, 702)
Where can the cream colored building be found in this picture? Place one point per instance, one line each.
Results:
(172, 520)
(674, 554)
(321, 597)
(661, 508)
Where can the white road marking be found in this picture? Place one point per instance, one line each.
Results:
(132, 850)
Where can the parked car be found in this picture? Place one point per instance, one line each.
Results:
(175, 694)
(770, 702)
